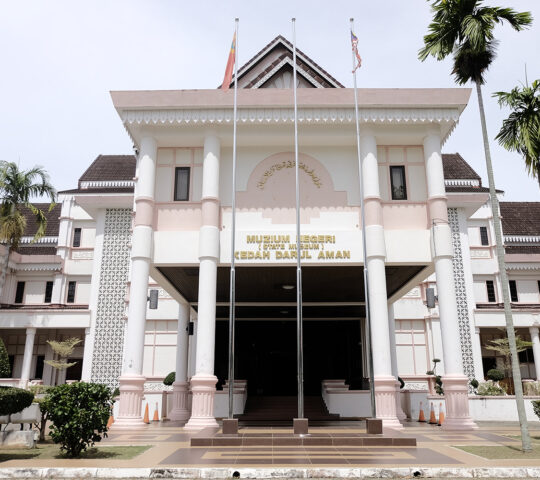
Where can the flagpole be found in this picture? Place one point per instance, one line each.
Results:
(233, 232)
(362, 214)
(299, 329)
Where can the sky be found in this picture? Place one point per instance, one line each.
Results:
(60, 58)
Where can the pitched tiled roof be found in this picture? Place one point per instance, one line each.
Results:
(456, 168)
(520, 218)
(110, 168)
(53, 219)
(523, 249)
(317, 72)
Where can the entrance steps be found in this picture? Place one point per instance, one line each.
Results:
(275, 409)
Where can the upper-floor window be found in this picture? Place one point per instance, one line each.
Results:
(48, 292)
(19, 293)
(77, 237)
(71, 292)
(513, 291)
(490, 291)
(484, 236)
(397, 183)
(181, 184)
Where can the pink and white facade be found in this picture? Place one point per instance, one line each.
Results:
(162, 220)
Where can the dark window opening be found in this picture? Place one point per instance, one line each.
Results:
(11, 359)
(181, 184)
(490, 291)
(397, 181)
(48, 292)
(484, 236)
(19, 294)
(513, 291)
(71, 292)
(77, 237)
(40, 360)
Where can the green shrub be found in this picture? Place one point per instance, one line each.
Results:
(79, 413)
(40, 389)
(490, 388)
(169, 379)
(5, 368)
(14, 400)
(495, 374)
(536, 407)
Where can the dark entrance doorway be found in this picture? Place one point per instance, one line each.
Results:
(266, 354)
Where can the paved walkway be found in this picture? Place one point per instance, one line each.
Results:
(435, 448)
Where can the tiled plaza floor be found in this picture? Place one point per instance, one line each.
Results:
(435, 447)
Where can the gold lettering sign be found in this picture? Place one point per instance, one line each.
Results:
(283, 247)
(288, 164)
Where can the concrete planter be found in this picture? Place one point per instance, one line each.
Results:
(17, 438)
(491, 408)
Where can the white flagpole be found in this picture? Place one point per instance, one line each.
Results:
(233, 232)
(299, 329)
(362, 214)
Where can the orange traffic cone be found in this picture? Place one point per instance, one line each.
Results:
(111, 421)
(432, 419)
(441, 415)
(146, 418)
(421, 416)
(156, 415)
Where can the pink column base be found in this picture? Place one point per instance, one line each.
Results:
(131, 393)
(180, 411)
(385, 401)
(399, 410)
(457, 403)
(203, 389)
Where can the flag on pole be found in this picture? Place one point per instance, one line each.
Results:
(230, 66)
(354, 42)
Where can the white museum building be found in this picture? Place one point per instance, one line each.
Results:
(162, 220)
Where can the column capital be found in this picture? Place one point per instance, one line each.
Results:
(31, 331)
(433, 131)
(533, 330)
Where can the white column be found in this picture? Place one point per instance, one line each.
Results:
(385, 382)
(132, 380)
(477, 350)
(94, 296)
(536, 350)
(203, 383)
(180, 410)
(392, 329)
(27, 359)
(455, 383)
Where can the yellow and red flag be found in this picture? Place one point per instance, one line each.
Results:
(230, 66)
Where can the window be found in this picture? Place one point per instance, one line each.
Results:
(77, 237)
(71, 292)
(484, 236)
(397, 180)
(39, 367)
(181, 184)
(490, 291)
(48, 292)
(19, 294)
(513, 291)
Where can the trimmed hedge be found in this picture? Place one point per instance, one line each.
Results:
(5, 368)
(14, 400)
(495, 374)
(169, 379)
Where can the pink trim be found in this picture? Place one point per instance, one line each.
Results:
(178, 217)
(438, 209)
(404, 216)
(522, 257)
(18, 258)
(373, 211)
(457, 403)
(210, 212)
(385, 398)
(144, 211)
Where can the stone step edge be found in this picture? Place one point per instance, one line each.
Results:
(270, 473)
(233, 441)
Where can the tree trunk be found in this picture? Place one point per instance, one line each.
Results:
(3, 273)
(516, 374)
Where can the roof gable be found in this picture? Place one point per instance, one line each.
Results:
(272, 66)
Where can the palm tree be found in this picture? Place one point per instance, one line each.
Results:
(520, 132)
(17, 187)
(464, 28)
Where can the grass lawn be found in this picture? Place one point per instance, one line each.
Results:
(501, 452)
(47, 450)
